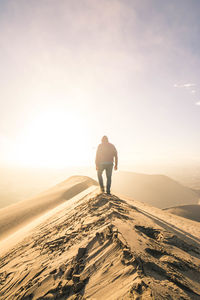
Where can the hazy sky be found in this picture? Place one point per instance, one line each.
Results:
(72, 71)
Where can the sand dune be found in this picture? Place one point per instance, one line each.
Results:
(105, 247)
(157, 190)
(191, 212)
(17, 215)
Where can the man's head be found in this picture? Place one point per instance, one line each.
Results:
(104, 139)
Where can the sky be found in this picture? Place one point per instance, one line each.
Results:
(73, 71)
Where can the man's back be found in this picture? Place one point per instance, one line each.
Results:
(105, 153)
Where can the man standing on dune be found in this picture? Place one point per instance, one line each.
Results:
(106, 153)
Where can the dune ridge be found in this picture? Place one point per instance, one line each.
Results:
(157, 190)
(105, 247)
(191, 212)
(17, 215)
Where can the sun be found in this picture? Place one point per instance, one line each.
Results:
(54, 139)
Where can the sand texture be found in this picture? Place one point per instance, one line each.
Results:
(17, 215)
(105, 247)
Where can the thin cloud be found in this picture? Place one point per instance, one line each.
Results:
(186, 85)
(189, 85)
(198, 103)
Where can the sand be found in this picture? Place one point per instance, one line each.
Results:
(11, 239)
(157, 190)
(105, 247)
(191, 212)
(17, 215)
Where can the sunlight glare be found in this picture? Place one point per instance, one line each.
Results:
(54, 139)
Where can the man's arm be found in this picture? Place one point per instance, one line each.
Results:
(116, 159)
(97, 159)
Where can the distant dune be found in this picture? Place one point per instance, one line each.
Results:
(191, 212)
(157, 190)
(20, 183)
(197, 191)
(16, 215)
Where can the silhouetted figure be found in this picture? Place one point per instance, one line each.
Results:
(105, 156)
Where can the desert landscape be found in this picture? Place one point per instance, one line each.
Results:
(99, 246)
(88, 88)
(155, 189)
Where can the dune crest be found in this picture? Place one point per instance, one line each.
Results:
(103, 248)
(17, 215)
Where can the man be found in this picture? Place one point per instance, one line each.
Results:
(105, 156)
